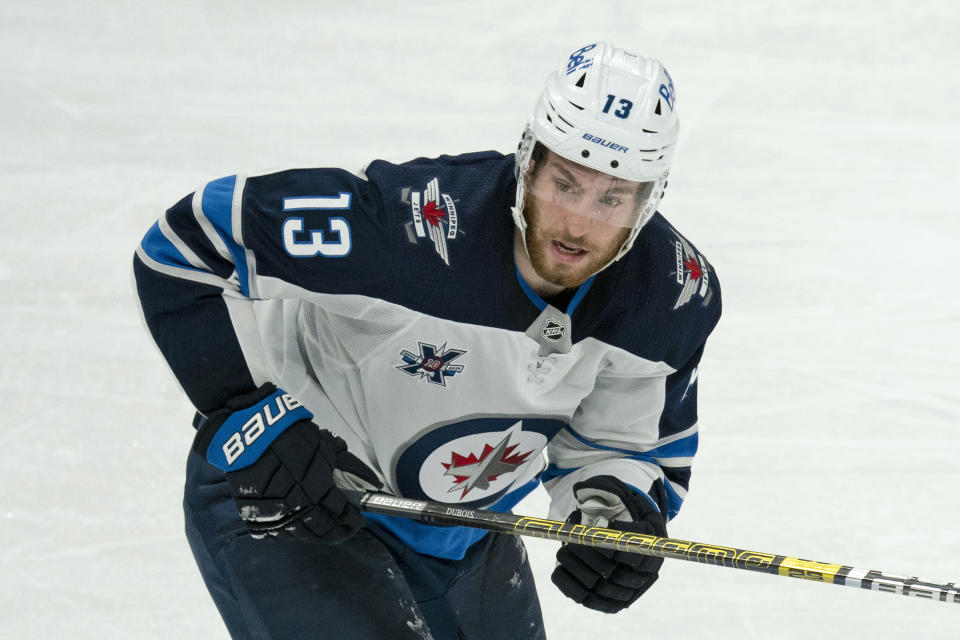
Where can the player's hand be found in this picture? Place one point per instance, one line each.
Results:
(281, 467)
(603, 579)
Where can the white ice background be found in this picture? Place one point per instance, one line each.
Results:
(817, 170)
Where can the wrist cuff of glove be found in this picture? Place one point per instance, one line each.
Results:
(236, 436)
(636, 503)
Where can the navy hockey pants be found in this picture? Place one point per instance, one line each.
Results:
(371, 586)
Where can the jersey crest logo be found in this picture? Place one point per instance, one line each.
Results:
(693, 274)
(473, 472)
(434, 216)
(474, 463)
(432, 364)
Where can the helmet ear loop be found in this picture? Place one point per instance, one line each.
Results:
(525, 152)
(519, 219)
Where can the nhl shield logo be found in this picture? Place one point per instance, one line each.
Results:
(553, 330)
(434, 216)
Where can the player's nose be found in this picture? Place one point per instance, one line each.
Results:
(577, 224)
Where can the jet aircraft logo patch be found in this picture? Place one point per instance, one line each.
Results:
(473, 472)
(431, 364)
(434, 216)
(474, 462)
(693, 274)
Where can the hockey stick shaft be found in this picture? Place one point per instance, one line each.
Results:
(443, 514)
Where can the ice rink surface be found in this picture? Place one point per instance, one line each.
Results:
(817, 170)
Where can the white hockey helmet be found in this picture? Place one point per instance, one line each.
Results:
(612, 111)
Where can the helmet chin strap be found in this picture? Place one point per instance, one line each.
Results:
(521, 224)
(517, 209)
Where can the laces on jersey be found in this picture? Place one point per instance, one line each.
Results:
(539, 367)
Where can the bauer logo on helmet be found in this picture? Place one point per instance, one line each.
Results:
(578, 62)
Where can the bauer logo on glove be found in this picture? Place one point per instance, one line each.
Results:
(283, 469)
(252, 430)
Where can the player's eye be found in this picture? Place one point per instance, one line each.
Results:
(563, 187)
(610, 201)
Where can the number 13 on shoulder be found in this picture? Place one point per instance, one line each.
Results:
(317, 242)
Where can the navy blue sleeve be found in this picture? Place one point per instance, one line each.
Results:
(190, 324)
(237, 239)
(323, 230)
(679, 416)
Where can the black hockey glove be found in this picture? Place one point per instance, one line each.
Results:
(603, 579)
(281, 467)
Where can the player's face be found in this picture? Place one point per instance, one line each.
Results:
(577, 219)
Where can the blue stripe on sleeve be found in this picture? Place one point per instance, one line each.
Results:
(217, 205)
(183, 223)
(594, 445)
(553, 472)
(677, 449)
(678, 475)
(156, 245)
(685, 447)
(674, 501)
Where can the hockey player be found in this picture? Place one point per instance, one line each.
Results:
(434, 329)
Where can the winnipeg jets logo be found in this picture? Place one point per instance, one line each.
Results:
(434, 215)
(431, 364)
(693, 274)
(477, 472)
(474, 462)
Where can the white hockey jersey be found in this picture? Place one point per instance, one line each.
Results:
(391, 307)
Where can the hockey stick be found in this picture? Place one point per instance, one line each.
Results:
(437, 513)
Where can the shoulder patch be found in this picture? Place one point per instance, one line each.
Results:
(433, 215)
(692, 274)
